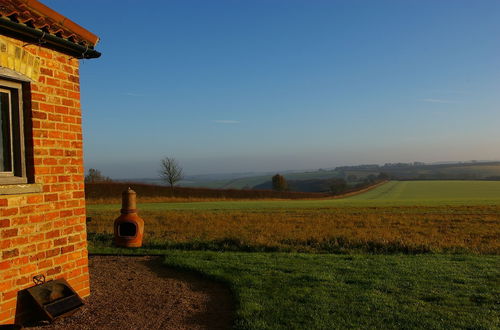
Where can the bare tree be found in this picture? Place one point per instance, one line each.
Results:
(96, 176)
(171, 171)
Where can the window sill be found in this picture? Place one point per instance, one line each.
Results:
(14, 189)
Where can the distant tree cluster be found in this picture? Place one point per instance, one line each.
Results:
(279, 183)
(372, 179)
(352, 178)
(338, 186)
(332, 186)
(95, 176)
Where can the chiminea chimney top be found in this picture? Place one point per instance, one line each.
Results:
(129, 204)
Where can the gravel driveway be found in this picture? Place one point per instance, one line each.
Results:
(141, 293)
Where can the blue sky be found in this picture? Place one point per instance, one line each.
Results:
(271, 85)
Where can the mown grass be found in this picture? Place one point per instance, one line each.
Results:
(461, 229)
(315, 291)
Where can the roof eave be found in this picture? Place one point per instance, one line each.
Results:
(39, 37)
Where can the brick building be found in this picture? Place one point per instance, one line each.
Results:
(42, 205)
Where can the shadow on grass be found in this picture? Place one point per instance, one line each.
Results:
(218, 312)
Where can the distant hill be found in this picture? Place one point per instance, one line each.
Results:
(314, 181)
(421, 171)
(253, 181)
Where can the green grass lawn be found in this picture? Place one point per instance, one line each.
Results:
(300, 291)
(311, 291)
(394, 193)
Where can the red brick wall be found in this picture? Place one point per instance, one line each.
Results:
(45, 233)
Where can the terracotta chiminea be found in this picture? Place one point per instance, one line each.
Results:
(129, 227)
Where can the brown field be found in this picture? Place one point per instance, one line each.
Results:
(470, 229)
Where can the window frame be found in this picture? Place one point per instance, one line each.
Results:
(18, 174)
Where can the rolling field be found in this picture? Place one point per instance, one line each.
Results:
(341, 230)
(396, 217)
(434, 192)
(412, 255)
(393, 193)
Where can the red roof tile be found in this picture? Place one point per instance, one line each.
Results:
(35, 14)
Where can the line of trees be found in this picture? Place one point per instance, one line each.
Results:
(155, 193)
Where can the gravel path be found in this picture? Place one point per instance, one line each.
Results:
(141, 293)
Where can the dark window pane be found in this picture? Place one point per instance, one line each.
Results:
(5, 137)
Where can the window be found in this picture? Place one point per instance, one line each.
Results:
(12, 158)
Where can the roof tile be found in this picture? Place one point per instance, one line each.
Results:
(36, 14)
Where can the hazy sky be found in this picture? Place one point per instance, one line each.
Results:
(234, 86)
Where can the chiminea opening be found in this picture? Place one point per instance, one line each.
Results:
(127, 229)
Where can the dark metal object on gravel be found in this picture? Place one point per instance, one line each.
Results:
(54, 299)
(141, 293)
